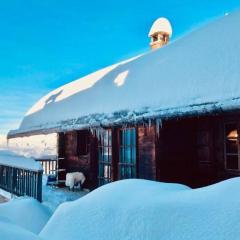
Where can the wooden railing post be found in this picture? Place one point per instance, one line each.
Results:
(39, 186)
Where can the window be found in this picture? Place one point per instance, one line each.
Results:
(232, 157)
(105, 157)
(155, 38)
(127, 155)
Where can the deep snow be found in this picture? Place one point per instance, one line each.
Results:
(167, 78)
(141, 209)
(27, 213)
(11, 231)
(133, 209)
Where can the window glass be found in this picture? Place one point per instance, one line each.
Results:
(232, 162)
(231, 146)
(105, 157)
(127, 155)
(155, 38)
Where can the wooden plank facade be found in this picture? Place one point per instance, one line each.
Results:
(195, 151)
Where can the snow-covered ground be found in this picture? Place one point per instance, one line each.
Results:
(27, 213)
(134, 210)
(53, 197)
(11, 231)
(140, 209)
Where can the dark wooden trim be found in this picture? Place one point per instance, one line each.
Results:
(137, 153)
(115, 152)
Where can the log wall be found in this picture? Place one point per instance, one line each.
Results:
(188, 151)
(74, 162)
(147, 152)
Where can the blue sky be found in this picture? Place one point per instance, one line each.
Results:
(47, 43)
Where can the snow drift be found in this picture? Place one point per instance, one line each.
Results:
(147, 210)
(193, 75)
(26, 213)
(10, 231)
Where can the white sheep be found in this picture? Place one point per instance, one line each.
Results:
(73, 179)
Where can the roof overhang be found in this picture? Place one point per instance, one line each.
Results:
(125, 118)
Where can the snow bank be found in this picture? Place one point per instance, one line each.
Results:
(112, 211)
(12, 159)
(140, 209)
(196, 74)
(27, 213)
(10, 231)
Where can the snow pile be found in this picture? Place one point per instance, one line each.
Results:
(10, 231)
(193, 75)
(161, 25)
(27, 213)
(140, 209)
(9, 158)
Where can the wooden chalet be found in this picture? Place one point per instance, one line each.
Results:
(170, 115)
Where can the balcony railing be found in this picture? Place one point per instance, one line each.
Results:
(49, 165)
(21, 181)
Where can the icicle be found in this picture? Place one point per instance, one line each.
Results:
(92, 130)
(158, 126)
(144, 123)
(98, 133)
(149, 124)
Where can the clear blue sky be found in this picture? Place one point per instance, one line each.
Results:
(47, 43)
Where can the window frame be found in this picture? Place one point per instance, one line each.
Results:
(132, 165)
(102, 146)
(225, 147)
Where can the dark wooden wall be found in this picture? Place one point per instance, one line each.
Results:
(191, 151)
(74, 162)
(177, 152)
(147, 152)
(207, 143)
(188, 151)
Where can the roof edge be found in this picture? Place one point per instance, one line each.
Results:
(128, 117)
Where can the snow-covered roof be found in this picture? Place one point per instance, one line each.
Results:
(161, 25)
(196, 74)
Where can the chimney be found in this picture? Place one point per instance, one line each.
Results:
(160, 33)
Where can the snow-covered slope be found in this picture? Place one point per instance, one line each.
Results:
(197, 73)
(146, 210)
(26, 213)
(11, 231)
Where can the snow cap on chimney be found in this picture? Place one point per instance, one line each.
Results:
(160, 33)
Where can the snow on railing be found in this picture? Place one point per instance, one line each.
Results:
(20, 176)
(21, 182)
